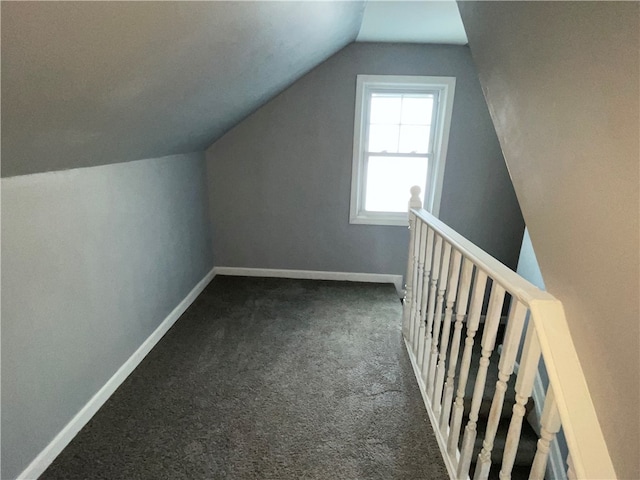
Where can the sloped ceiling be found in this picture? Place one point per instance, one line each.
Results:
(91, 83)
(412, 22)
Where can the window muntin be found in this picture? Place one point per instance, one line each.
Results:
(400, 126)
(399, 123)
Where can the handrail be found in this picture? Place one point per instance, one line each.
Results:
(588, 449)
(548, 336)
(518, 286)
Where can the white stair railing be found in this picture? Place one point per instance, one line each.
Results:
(448, 280)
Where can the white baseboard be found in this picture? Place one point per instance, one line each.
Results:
(51, 451)
(314, 275)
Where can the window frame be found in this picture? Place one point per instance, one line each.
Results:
(444, 87)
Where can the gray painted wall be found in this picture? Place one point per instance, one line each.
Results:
(91, 83)
(93, 260)
(562, 80)
(279, 182)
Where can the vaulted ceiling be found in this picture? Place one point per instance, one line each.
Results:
(91, 83)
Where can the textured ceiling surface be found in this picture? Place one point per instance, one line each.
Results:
(91, 83)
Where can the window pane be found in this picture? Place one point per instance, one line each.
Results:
(417, 110)
(389, 180)
(383, 138)
(385, 109)
(414, 139)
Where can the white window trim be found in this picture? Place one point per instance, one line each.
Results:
(431, 198)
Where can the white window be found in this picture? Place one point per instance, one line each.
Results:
(400, 139)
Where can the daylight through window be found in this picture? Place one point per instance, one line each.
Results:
(401, 123)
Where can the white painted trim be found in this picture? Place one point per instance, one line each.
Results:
(388, 219)
(62, 439)
(451, 468)
(510, 280)
(585, 439)
(445, 86)
(314, 275)
(434, 194)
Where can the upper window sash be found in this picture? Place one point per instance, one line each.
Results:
(394, 91)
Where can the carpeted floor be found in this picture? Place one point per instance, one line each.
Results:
(267, 379)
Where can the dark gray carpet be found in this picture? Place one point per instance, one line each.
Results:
(267, 379)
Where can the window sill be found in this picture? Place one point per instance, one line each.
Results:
(397, 220)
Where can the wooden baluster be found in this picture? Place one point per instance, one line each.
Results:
(433, 284)
(425, 338)
(488, 341)
(413, 255)
(415, 203)
(408, 294)
(524, 386)
(419, 340)
(417, 276)
(549, 426)
(452, 291)
(477, 298)
(461, 310)
(571, 470)
(437, 324)
(512, 337)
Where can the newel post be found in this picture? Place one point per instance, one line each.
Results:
(414, 202)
